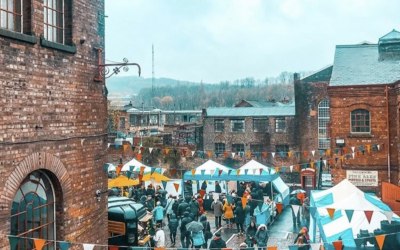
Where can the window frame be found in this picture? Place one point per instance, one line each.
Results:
(56, 12)
(218, 146)
(14, 14)
(277, 128)
(238, 145)
(285, 146)
(217, 123)
(359, 126)
(323, 117)
(260, 125)
(237, 121)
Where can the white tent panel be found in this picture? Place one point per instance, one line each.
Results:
(253, 168)
(210, 167)
(136, 166)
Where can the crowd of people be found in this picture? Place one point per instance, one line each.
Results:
(180, 211)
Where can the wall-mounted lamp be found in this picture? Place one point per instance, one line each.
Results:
(99, 193)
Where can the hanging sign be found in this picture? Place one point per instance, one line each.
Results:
(363, 178)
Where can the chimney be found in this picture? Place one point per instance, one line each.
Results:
(389, 46)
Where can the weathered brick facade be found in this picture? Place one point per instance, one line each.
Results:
(54, 118)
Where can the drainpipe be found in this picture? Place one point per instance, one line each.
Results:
(388, 132)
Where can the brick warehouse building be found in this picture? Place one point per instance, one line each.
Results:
(53, 126)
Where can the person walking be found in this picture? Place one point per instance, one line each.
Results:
(251, 233)
(173, 228)
(194, 208)
(228, 213)
(185, 235)
(262, 237)
(239, 217)
(218, 188)
(217, 243)
(217, 206)
(159, 237)
(198, 239)
(168, 207)
(206, 230)
(158, 213)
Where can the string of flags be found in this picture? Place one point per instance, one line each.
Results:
(327, 156)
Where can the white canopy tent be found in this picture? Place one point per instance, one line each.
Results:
(136, 166)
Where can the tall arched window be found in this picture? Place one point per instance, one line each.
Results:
(360, 121)
(33, 211)
(323, 121)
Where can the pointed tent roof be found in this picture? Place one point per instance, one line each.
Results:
(136, 166)
(207, 171)
(392, 36)
(253, 168)
(210, 167)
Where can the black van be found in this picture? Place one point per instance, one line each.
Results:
(128, 222)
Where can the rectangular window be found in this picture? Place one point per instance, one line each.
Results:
(122, 122)
(260, 125)
(238, 148)
(219, 148)
(256, 148)
(11, 15)
(281, 148)
(133, 120)
(237, 125)
(360, 121)
(219, 125)
(280, 125)
(54, 27)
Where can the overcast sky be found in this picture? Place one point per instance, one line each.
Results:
(216, 40)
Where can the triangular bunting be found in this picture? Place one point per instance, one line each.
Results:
(261, 170)
(279, 207)
(328, 152)
(338, 245)
(88, 246)
(368, 214)
(108, 145)
(128, 174)
(237, 171)
(13, 242)
(118, 169)
(64, 245)
(331, 212)
(193, 171)
(142, 169)
(212, 171)
(246, 171)
(295, 209)
(244, 202)
(353, 155)
(313, 152)
(290, 153)
(349, 214)
(150, 150)
(264, 154)
(193, 153)
(380, 239)
(176, 185)
(291, 168)
(164, 184)
(219, 172)
(273, 154)
(229, 171)
(226, 154)
(389, 215)
(39, 243)
(254, 171)
(352, 149)
(324, 161)
(203, 171)
(233, 155)
(125, 147)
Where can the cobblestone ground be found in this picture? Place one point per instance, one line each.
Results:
(281, 232)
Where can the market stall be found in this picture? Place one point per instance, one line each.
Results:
(136, 165)
(346, 212)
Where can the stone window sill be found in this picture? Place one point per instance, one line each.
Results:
(360, 136)
(18, 36)
(58, 46)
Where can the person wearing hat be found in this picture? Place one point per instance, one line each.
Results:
(158, 213)
(217, 243)
(262, 237)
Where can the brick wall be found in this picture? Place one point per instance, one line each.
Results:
(373, 98)
(54, 118)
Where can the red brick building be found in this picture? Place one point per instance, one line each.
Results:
(364, 111)
(53, 125)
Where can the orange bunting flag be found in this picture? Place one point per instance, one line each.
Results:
(338, 245)
(272, 248)
(167, 151)
(368, 214)
(140, 177)
(344, 150)
(331, 212)
(226, 154)
(368, 148)
(125, 147)
(264, 154)
(277, 169)
(237, 171)
(39, 243)
(139, 157)
(176, 185)
(244, 202)
(142, 169)
(248, 154)
(279, 207)
(290, 153)
(312, 164)
(118, 169)
(193, 171)
(305, 153)
(328, 152)
(159, 248)
(380, 239)
(209, 154)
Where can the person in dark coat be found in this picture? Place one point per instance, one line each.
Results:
(218, 210)
(239, 217)
(296, 217)
(185, 234)
(206, 229)
(182, 208)
(251, 233)
(241, 189)
(150, 191)
(218, 188)
(194, 208)
(204, 185)
(173, 227)
(262, 237)
(150, 203)
(217, 243)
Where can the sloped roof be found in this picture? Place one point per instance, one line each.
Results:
(392, 36)
(321, 75)
(288, 110)
(360, 65)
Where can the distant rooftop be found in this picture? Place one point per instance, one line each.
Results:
(392, 36)
(286, 110)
